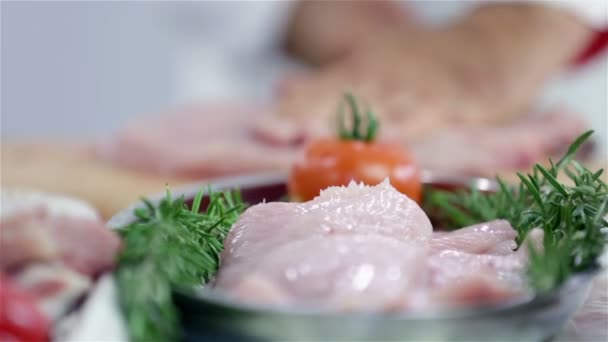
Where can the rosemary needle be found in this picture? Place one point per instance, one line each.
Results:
(573, 217)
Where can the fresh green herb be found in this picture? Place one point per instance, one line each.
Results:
(573, 217)
(170, 246)
(369, 134)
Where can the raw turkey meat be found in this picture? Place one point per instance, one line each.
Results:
(342, 225)
(201, 142)
(52, 249)
(367, 248)
(357, 209)
(85, 245)
(479, 264)
(462, 148)
(197, 142)
(482, 149)
(448, 267)
(346, 272)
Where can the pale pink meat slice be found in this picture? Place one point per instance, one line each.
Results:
(487, 237)
(368, 248)
(335, 234)
(354, 209)
(463, 148)
(379, 209)
(462, 279)
(483, 149)
(198, 141)
(337, 272)
(85, 245)
(211, 140)
(448, 267)
(475, 290)
(263, 227)
(459, 277)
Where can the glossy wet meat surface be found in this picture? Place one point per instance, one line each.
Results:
(367, 248)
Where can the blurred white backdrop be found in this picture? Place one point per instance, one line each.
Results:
(81, 69)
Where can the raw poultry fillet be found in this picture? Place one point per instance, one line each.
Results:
(52, 249)
(515, 146)
(203, 142)
(344, 272)
(196, 142)
(84, 245)
(366, 248)
(364, 239)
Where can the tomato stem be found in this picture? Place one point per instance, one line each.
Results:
(355, 133)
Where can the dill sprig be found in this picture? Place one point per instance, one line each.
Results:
(573, 217)
(170, 246)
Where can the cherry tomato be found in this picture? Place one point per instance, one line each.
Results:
(20, 319)
(353, 156)
(328, 162)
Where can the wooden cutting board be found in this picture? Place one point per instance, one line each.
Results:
(72, 169)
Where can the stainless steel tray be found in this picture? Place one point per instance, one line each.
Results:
(207, 315)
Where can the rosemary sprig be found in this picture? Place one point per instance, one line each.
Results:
(356, 133)
(573, 217)
(170, 246)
